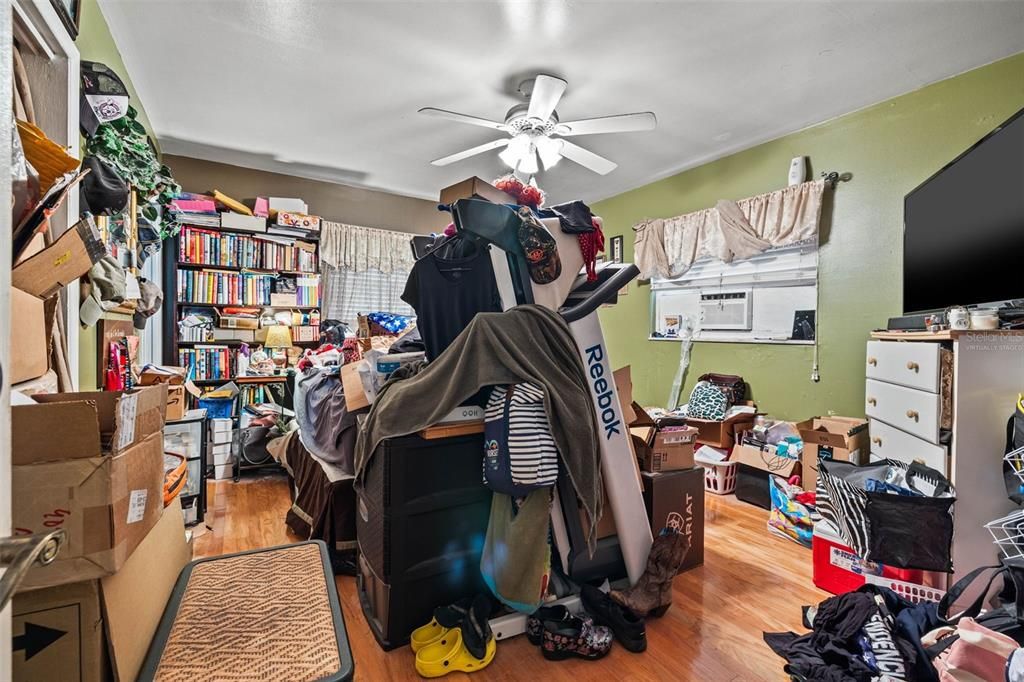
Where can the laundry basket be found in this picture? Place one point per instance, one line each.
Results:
(719, 477)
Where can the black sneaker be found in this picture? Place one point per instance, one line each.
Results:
(627, 627)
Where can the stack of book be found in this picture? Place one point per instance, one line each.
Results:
(224, 288)
(307, 290)
(196, 209)
(210, 362)
(211, 247)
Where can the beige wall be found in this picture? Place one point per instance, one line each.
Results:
(341, 203)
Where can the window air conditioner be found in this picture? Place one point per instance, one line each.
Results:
(726, 310)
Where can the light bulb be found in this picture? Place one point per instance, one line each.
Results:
(509, 157)
(528, 163)
(550, 151)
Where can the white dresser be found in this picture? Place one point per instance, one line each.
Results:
(961, 432)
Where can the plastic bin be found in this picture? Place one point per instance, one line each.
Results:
(720, 477)
(217, 408)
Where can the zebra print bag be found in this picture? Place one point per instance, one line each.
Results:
(897, 530)
(519, 451)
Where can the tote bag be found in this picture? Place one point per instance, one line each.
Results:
(896, 530)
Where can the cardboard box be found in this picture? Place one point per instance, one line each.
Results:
(832, 438)
(300, 220)
(135, 597)
(475, 188)
(237, 322)
(99, 476)
(174, 377)
(355, 396)
(283, 300)
(676, 499)
(669, 450)
(62, 262)
(755, 465)
(304, 333)
(245, 223)
(30, 347)
(722, 434)
(58, 634)
(175, 403)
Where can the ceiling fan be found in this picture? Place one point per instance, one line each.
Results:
(535, 131)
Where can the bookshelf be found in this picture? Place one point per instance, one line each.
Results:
(209, 270)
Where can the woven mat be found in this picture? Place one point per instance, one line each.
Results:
(263, 616)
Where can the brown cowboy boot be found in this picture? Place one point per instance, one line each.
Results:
(652, 594)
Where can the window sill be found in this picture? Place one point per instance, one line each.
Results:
(739, 339)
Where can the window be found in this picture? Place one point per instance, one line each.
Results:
(348, 293)
(767, 298)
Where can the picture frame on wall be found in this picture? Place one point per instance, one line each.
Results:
(69, 12)
(615, 249)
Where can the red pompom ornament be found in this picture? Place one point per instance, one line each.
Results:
(524, 194)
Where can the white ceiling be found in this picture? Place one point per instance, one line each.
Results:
(330, 90)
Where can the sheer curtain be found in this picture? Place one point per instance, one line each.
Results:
(364, 270)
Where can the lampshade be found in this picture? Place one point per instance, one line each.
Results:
(278, 336)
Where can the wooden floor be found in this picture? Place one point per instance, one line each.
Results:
(751, 581)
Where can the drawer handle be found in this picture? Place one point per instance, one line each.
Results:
(876, 440)
(873, 362)
(872, 401)
(912, 414)
(913, 366)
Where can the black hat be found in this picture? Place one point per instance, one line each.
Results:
(104, 97)
(103, 191)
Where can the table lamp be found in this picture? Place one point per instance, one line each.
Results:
(279, 337)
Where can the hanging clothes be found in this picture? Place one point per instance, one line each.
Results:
(528, 343)
(447, 293)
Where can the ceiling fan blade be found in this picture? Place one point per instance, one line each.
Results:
(623, 123)
(587, 159)
(479, 149)
(547, 90)
(462, 118)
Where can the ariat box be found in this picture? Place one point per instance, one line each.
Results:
(92, 464)
(675, 499)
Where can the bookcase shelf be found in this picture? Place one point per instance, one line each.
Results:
(173, 263)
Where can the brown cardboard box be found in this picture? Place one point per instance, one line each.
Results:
(475, 188)
(832, 438)
(755, 465)
(670, 450)
(99, 476)
(30, 347)
(174, 377)
(283, 300)
(134, 598)
(61, 263)
(722, 434)
(355, 396)
(676, 499)
(58, 634)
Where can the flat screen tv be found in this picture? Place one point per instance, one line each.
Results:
(963, 228)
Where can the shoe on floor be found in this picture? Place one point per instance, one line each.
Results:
(445, 618)
(628, 628)
(449, 654)
(652, 593)
(535, 622)
(577, 637)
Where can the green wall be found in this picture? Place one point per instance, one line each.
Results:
(95, 44)
(889, 148)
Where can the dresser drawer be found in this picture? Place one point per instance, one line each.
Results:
(908, 409)
(888, 442)
(915, 365)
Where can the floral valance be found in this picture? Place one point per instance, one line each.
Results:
(365, 248)
(732, 230)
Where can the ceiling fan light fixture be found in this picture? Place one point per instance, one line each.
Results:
(528, 163)
(550, 151)
(509, 157)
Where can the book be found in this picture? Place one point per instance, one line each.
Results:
(285, 230)
(231, 204)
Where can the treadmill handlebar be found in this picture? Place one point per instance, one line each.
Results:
(601, 294)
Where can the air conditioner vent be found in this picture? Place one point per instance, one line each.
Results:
(726, 310)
